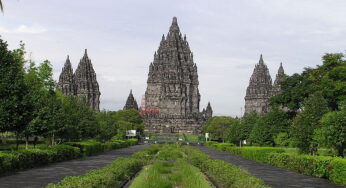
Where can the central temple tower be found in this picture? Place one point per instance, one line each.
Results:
(172, 97)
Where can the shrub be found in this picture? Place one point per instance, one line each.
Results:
(331, 168)
(87, 148)
(23, 159)
(338, 171)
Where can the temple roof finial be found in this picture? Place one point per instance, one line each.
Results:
(175, 21)
(174, 27)
(261, 60)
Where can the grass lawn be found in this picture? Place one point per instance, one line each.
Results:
(164, 174)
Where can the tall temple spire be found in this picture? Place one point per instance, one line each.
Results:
(131, 102)
(66, 79)
(259, 90)
(172, 88)
(87, 86)
(280, 76)
(208, 111)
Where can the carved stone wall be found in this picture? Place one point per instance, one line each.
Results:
(172, 88)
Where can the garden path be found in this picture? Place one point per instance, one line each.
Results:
(271, 175)
(53, 173)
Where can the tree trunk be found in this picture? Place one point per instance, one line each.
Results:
(26, 142)
(53, 140)
(17, 141)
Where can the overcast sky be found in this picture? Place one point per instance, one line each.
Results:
(226, 37)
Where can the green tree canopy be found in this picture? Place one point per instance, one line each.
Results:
(306, 122)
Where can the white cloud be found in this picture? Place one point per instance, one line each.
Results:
(24, 29)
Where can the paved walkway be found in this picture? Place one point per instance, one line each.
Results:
(39, 177)
(271, 175)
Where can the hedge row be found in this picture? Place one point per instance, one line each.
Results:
(332, 168)
(113, 175)
(91, 147)
(24, 159)
(221, 173)
(253, 153)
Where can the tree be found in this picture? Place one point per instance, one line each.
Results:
(268, 126)
(247, 124)
(13, 111)
(333, 130)
(218, 127)
(234, 133)
(305, 124)
(329, 79)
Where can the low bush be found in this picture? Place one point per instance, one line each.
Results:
(331, 168)
(87, 148)
(24, 159)
(222, 173)
(253, 153)
(92, 147)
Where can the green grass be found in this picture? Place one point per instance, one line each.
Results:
(163, 174)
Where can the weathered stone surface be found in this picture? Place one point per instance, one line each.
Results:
(172, 97)
(82, 83)
(131, 102)
(66, 79)
(260, 88)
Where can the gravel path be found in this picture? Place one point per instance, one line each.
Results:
(271, 175)
(39, 177)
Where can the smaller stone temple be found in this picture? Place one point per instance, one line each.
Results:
(261, 89)
(82, 83)
(131, 102)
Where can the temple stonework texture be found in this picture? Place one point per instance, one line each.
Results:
(82, 83)
(172, 97)
(131, 103)
(261, 89)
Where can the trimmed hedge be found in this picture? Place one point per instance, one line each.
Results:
(92, 147)
(113, 175)
(221, 173)
(331, 168)
(253, 153)
(24, 159)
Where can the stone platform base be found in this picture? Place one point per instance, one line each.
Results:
(170, 125)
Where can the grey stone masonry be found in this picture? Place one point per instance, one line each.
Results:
(261, 89)
(172, 96)
(131, 102)
(66, 79)
(82, 83)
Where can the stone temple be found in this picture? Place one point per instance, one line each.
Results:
(261, 89)
(82, 83)
(172, 97)
(131, 103)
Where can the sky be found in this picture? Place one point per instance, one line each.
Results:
(226, 37)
